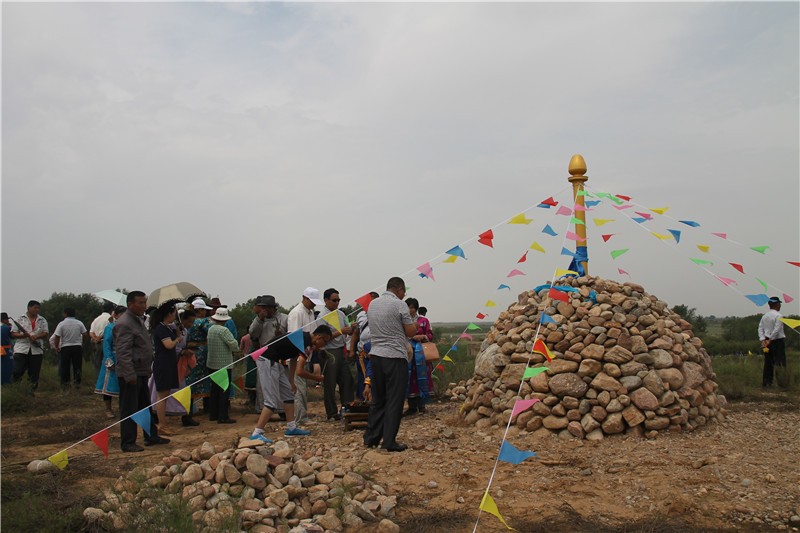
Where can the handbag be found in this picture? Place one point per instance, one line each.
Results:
(431, 351)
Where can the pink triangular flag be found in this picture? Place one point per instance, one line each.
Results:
(622, 272)
(648, 216)
(787, 298)
(574, 237)
(465, 336)
(579, 207)
(564, 210)
(726, 281)
(720, 235)
(257, 353)
(426, 270)
(522, 405)
(621, 207)
(515, 272)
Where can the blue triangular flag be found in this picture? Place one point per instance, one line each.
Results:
(453, 348)
(547, 229)
(510, 454)
(690, 223)
(639, 219)
(565, 251)
(758, 299)
(456, 250)
(422, 275)
(592, 203)
(676, 234)
(297, 339)
(545, 206)
(503, 286)
(547, 319)
(142, 418)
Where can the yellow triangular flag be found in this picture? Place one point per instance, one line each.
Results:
(601, 221)
(490, 303)
(792, 323)
(562, 272)
(520, 219)
(749, 352)
(703, 248)
(660, 236)
(447, 358)
(659, 210)
(332, 318)
(184, 396)
(450, 259)
(537, 247)
(488, 505)
(60, 459)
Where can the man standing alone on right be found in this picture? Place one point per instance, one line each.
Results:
(390, 326)
(770, 332)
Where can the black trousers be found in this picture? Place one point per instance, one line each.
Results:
(28, 362)
(133, 398)
(70, 356)
(389, 379)
(337, 372)
(218, 400)
(776, 356)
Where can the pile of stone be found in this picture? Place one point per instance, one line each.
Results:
(261, 488)
(625, 363)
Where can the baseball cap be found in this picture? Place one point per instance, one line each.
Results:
(313, 294)
(199, 303)
(775, 300)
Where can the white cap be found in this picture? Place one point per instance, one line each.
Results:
(313, 294)
(199, 303)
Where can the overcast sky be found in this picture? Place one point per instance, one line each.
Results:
(262, 148)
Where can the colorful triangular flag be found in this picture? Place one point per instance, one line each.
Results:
(510, 454)
(691, 223)
(648, 216)
(720, 235)
(564, 210)
(480, 316)
(520, 219)
(184, 396)
(503, 286)
(220, 377)
(622, 272)
(515, 272)
(522, 405)
(738, 267)
(456, 251)
(535, 371)
(676, 234)
(659, 210)
(607, 236)
(101, 440)
(639, 220)
(537, 247)
(490, 303)
(143, 420)
(661, 236)
(758, 299)
(575, 237)
(787, 299)
(450, 259)
(426, 270)
(488, 505)
(568, 252)
(296, 337)
(332, 318)
(465, 336)
(617, 253)
(364, 301)
(795, 263)
(61, 460)
(760, 249)
(473, 327)
(549, 202)
(700, 261)
(562, 272)
(726, 281)
(592, 203)
(763, 284)
(576, 221)
(448, 359)
(555, 294)
(791, 322)
(703, 248)
(523, 258)
(486, 237)
(541, 348)
(548, 230)
(547, 319)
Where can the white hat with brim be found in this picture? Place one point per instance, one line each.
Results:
(221, 315)
(313, 294)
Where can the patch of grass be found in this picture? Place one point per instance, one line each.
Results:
(739, 378)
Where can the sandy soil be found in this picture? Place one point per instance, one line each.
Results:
(741, 475)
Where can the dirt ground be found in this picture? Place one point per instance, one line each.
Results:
(741, 475)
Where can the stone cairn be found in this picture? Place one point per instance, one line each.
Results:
(625, 364)
(262, 488)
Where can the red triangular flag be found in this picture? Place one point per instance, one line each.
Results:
(101, 439)
(480, 316)
(523, 258)
(549, 201)
(621, 197)
(606, 237)
(486, 238)
(738, 267)
(540, 347)
(558, 295)
(795, 263)
(364, 301)
(440, 367)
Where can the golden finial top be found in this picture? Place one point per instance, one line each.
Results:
(577, 166)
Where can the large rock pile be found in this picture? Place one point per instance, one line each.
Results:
(625, 363)
(262, 489)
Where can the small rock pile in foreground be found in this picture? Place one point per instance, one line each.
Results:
(624, 362)
(266, 488)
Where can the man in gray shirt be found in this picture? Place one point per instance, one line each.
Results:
(390, 326)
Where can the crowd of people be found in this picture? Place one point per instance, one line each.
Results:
(144, 356)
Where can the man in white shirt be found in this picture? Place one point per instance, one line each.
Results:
(30, 330)
(302, 317)
(68, 344)
(96, 330)
(770, 332)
